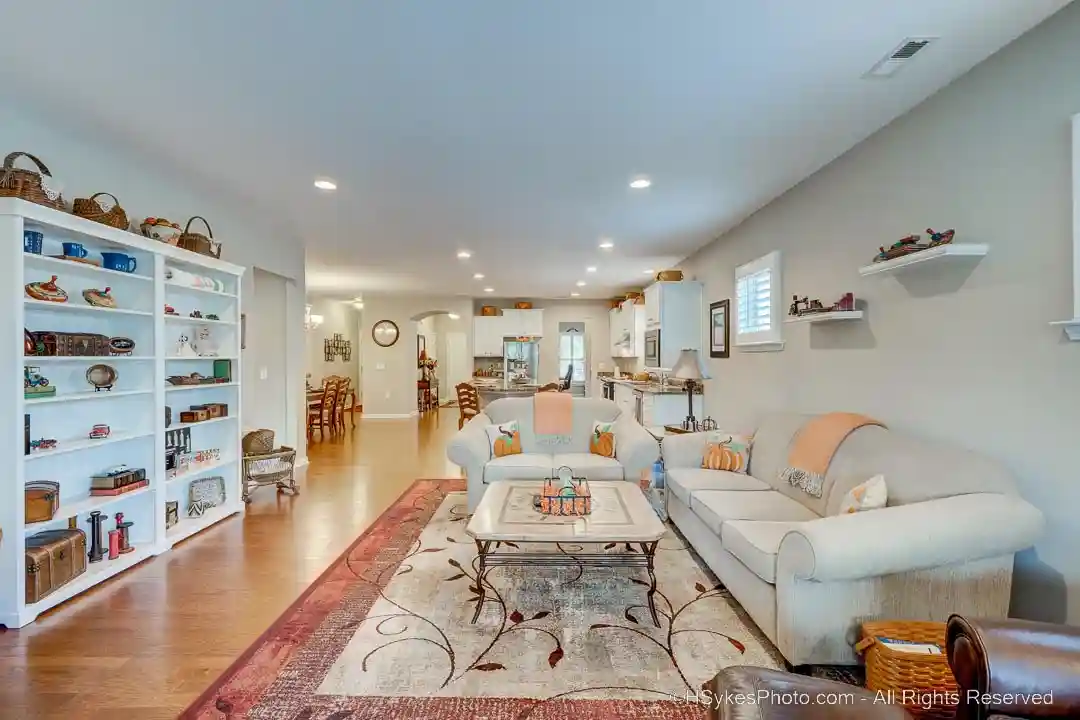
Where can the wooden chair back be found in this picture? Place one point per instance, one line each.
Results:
(468, 402)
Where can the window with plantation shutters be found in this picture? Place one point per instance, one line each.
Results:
(757, 293)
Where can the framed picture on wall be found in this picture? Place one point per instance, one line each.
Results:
(720, 329)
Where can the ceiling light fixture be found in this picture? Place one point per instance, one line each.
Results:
(478, 276)
(590, 269)
(581, 283)
(453, 316)
(606, 244)
(464, 254)
(358, 305)
(640, 183)
(647, 272)
(325, 184)
(575, 294)
(489, 289)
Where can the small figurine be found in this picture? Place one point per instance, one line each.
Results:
(196, 314)
(99, 431)
(204, 343)
(940, 238)
(170, 310)
(124, 526)
(903, 246)
(212, 316)
(35, 384)
(43, 444)
(47, 291)
(99, 298)
(183, 348)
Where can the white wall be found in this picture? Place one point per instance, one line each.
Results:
(339, 316)
(84, 164)
(963, 353)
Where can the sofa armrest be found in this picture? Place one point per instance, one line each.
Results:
(1014, 667)
(686, 450)
(635, 447)
(469, 447)
(918, 536)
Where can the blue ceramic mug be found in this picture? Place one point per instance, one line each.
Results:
(118, 261)
(74, 249)
(31, 241)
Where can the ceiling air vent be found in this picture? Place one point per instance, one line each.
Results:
(891, 63)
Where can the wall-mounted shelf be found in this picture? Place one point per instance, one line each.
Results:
(135, 409)
(826, 317)
(941, 252)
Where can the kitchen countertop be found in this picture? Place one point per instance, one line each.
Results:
(653, 388)
(503, 385)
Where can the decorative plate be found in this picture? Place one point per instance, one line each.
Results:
(99, 298)
(101, 376)
(47, 290)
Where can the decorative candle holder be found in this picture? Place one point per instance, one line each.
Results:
(124, 527)
(97, 551)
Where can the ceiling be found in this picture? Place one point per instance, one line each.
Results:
(507, 128)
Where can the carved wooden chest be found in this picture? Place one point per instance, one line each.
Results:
(53, 559)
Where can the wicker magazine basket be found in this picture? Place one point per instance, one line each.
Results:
(928, 676)
(27, 184)
(88, 208)
(197, 242)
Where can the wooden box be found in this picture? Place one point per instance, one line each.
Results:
(217, 409)
(59, 344)
(111, 481)
(42, 500)
(53, 559)
(197, 413)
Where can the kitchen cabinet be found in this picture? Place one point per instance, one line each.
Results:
(624, 398)
(488, 336)
(523, 323)
(627, 323)
(675, 309)
(659, 409)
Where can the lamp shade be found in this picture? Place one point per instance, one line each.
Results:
(689, 366)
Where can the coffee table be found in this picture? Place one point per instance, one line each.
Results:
(620, 514)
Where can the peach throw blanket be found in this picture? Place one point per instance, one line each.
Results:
(553, 417)
(812, 449)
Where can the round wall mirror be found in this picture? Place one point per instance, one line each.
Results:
(384, 333)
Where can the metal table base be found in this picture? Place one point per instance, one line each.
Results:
(490, 560)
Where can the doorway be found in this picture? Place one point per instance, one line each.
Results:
(265, 371)
(457, 357)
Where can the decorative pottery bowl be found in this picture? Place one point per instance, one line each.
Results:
(162, 231)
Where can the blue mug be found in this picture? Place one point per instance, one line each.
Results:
(73, 249)
(119, 261)
(31, 241)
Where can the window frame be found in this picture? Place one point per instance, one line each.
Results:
(770, 339)
(572, 335)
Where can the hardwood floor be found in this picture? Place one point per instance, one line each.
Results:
(148, 642)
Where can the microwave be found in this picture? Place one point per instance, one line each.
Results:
(652, 348)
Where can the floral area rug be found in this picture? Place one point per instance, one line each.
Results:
(387, 633)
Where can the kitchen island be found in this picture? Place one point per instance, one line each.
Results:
(494, 388)
(655, 403)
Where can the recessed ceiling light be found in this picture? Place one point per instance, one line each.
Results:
(325, 184)
(575, 294)
(640, 183)
(648, 272)
(464, 254)
(581, 283)
(453, 316)
(478, 276)
(606, 244)
(591, 268)
(358, 305)
(489, 289)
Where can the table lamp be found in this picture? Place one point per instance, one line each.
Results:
(690, 369)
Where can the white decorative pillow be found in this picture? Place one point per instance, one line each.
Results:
(504, 439)
(870, 495)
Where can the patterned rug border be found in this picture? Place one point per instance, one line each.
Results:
(205, 701)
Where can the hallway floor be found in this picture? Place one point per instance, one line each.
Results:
(147, 643)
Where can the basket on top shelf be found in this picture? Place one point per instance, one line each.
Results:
(36, 186)
(669, 276)
(929, 676)
(101, 211)
(265, 465)
(197, 242)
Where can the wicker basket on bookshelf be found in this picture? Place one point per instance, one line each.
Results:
(28, 184)
(197, 242)
(896, 671)
(90, 209)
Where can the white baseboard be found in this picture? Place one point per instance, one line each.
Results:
(302, 462)
(378, 416)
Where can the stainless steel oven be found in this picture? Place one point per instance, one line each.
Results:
(652, 348)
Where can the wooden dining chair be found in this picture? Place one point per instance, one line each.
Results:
(468, 403)
(339, 403)
(320, 414)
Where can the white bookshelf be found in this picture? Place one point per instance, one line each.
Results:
(135, 407)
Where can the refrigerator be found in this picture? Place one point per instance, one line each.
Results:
(521, 360)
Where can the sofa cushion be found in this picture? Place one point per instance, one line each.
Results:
(593, 467)
(715, 507)
(522, 466)
(756, 543)
(586, 412)
(684, 482)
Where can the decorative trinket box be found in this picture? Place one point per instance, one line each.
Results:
(217, 409)
(117, 477)
(42, 500)
(121, 346)
(53, 559)
(61, 344)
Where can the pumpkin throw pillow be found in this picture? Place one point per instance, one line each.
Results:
(870, 495)
(727, 451)
(505, 439)
(602, 440)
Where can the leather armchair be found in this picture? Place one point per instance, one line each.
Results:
(1014, 668)
(785, 696)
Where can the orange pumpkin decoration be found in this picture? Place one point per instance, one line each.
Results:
(720, 456)
(602, 443)
(508, 443)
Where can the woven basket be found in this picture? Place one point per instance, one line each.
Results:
(258, 442)
(669, 276)
(89, 209)
(523, 305)
(489, 311)
(893, 670)
(26, 184)
(196, 242)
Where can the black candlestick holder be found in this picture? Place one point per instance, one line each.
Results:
(97, 549)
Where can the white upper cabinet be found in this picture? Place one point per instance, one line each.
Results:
(518, 323)
(487, 336)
